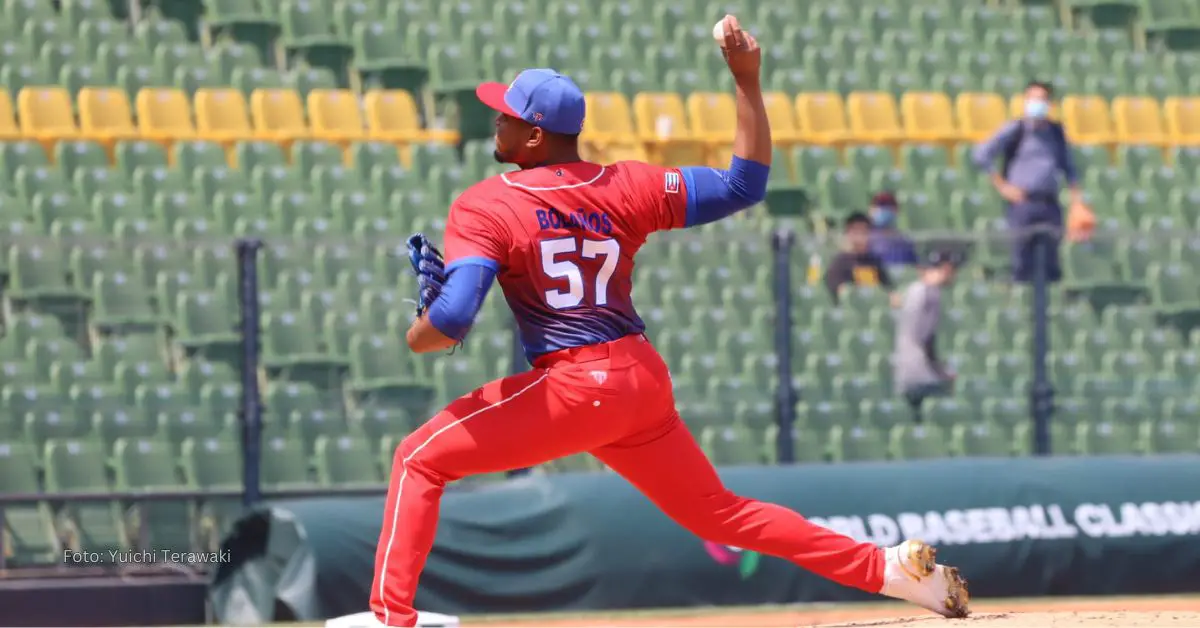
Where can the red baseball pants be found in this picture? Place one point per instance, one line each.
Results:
(613, 400)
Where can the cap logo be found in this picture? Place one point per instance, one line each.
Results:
(537, 117)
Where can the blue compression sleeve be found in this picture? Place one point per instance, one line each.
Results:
(454, 310)
(713, 194)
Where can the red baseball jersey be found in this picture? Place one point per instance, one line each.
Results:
(563, 239)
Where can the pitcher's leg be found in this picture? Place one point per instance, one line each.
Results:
(668, 467)
(511, 423)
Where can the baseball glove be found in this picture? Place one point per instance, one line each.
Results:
(430, 269)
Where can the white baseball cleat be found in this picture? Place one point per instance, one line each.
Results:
(912, 574)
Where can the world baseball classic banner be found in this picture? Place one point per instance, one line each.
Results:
(1058, 526)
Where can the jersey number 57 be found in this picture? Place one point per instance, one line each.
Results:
(560, 261)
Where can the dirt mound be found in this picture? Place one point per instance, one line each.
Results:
(1164, 619)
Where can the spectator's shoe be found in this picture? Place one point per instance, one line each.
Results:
(912, 574)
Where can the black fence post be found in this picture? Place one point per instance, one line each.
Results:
(251, 411)
(1041, 393)
(782, 242)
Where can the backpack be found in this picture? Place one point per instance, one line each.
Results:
(1010, 149)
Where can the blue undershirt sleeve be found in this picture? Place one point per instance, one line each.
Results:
(454, 310)
(713, 194)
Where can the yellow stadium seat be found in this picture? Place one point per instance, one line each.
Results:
(609, 119)
(980, 114)
(821, 118)
(278, 115)
(663, 125)
(611, 153)
(164, 115)
(782, 116)
(1139, 120)
(714, 121)
(713, 116)
(392, 117)
(874, 118)
(8, 119)
(720, 156)
(222, 116)
(1183, 119)
(336, 116)
(928, 117)
(46, 115)
(661, 116)
(105, 116)
(1086, 120)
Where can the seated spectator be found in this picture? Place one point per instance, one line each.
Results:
(892, 246)
(918, 372)
(856, 264)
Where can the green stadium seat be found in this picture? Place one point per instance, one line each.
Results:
(38, 276)
(79, 466)
(132, 155)
(29, 527)
(379, 421)
(980, 439)
(1126, 411)
(243, 22)
(177, 425)
(149, 464)
(1063, 441)
(1170, 22)
(228, 56)
(248, 79)
(91, 183)
(23, 328)
(206, 324)
(731, 445)
(152, 33)
(807, 446)
(857, 443)
(456, 377)
(1106, 438)
(283, 464)
(213, 463)
(918, 442)
(67, 373)
(44, 423)
(1167, 436)
(312, 423)
(121, 302)
(345, 461)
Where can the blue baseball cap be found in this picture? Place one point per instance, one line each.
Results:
(541, 97)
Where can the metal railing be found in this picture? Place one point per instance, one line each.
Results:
(787, 247)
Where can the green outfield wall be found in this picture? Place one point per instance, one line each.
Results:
(1059, 526)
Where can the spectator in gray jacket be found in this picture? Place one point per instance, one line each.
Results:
(917, 370)
(1036, 158)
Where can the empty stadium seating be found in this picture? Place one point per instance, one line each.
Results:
(133, 154)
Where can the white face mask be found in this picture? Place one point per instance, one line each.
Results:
(1036, 109)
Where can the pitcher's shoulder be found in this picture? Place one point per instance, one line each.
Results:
(486, 190)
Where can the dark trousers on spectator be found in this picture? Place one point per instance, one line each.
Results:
(917, 395)
(1024, 221)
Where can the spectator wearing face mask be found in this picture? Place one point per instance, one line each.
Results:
(1035, 161)
(887, 242)
(856, 264)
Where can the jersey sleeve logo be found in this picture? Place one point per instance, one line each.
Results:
(671, 182)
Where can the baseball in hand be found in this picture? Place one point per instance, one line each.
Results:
(719, 31)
